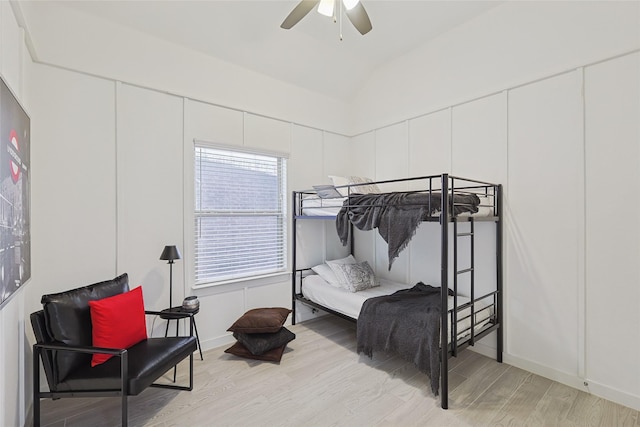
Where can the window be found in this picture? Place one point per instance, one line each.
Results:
(240, 223)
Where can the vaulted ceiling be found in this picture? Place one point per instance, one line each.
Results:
(311, 54)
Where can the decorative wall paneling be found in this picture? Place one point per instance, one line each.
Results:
(545, 176)
(612, 171)
(364, 164)
(559, 156)
(391, 162)
(429, 153)
(149, 190)
(11, 50)
(212, 123)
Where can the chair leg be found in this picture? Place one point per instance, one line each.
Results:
(191, 372)
(166, 332)
(175, 367)
(124, 375)
(125, 418)
(197, 337)
(36, 386)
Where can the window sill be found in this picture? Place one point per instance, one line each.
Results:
(267, 279)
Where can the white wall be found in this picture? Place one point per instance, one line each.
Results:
(542, 97)
(12, 315)
(98, 47)
(543, 251)
(133, 148)
(104, 127)
(511, 44)
(112, 147)
(149, 176)
(612, 161)
(391, 142)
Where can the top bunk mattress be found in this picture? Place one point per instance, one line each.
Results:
(317, 207)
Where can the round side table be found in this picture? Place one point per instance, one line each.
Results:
(181, 313)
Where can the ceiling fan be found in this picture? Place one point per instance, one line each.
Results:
(353, 8)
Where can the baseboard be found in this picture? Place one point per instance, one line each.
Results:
(303, 312)
(211, 343)
(29, 415)
(596, 389)
(483, 349)
(612, 394)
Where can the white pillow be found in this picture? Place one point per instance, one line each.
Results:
(338, 181)
(355, 277)
(327, 274)
(366, 188)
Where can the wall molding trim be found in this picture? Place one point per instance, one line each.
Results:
(576, 382)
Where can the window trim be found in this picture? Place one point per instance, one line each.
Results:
(261, 280)
(190, 216)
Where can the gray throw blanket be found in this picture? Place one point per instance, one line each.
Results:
(407, 323)
(396, 215)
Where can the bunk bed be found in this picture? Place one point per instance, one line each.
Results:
(445, 201)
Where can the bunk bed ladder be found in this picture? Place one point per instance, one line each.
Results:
(470, 270)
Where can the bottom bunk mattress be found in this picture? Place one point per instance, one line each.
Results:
(400, 318)
(316, 289)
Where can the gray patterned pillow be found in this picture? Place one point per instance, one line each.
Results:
(355, 277)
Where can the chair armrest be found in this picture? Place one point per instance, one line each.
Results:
(121, 353)
(81, 349)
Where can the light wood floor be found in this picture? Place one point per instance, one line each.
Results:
(321, 381)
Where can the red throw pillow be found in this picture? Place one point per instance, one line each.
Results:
(118, 322)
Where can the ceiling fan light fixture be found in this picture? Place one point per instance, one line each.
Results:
(350, 4)
(353, 9)
(326, 7)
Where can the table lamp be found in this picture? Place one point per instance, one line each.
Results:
(170, 253)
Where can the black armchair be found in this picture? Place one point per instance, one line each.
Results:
(63, 344)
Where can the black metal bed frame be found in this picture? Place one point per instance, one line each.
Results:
(447, 189)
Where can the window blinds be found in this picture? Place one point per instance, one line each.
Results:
(240, 207)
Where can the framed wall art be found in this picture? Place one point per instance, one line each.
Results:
(15, 192)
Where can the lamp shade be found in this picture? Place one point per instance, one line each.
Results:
(170, 253)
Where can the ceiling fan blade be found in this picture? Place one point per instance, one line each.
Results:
(359, 18)
(298, 12)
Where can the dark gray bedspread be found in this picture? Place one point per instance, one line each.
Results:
(407, 323)
(396, 215)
